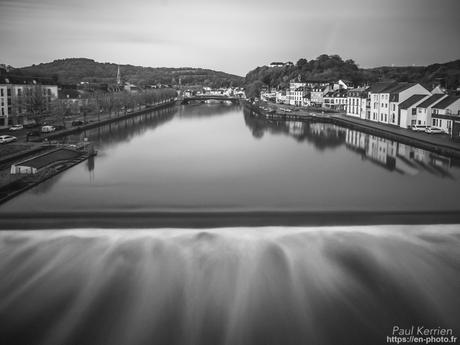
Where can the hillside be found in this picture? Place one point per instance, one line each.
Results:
(75, 70)
(333, 67)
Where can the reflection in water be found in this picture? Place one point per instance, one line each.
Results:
(212, 108)
(124, 130)
(388, 154)
(202, 158)
(322, 136)
(227, 286)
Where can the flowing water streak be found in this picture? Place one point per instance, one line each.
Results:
(327, 285)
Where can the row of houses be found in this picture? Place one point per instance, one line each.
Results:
(398, 104)
(405, 105)
(311, 93)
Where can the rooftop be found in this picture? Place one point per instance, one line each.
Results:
(19, 80)
(411, 101)
(443, 104)
(379, 87)
(399, 87)
(431, 100)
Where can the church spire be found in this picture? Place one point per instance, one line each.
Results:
(118, 76)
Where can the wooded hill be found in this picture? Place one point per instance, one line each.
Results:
(333, 67)
(76, 70)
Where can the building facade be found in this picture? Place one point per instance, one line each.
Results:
(357, 103)
(385, 99)
(21, 99)
(446, 115)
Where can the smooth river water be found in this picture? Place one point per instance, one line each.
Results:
(243, 284)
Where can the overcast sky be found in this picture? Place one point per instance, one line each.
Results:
(233, 36)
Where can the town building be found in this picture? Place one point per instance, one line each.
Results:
(408, 111)
(281, 97)
(281, 64)
(424, 109)
(386, 97)
(21, 98)
(357, 103)
(446, 115)
(336, 100)
(314, 84)
(296, 93)
(317, 96)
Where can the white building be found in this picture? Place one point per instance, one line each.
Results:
(424, 109)
(408, 111)
(317, 96)
(446, 115)
(281, 97)
(268, 96)
(17, 94)
(296, 93)
(386, 97)
(336, 100)
(357, 103)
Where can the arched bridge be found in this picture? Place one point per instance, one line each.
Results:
(202, 98)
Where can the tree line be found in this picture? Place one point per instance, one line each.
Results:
(76, 70)
(37, 105)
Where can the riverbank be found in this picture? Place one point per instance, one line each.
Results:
(13, 185)
(52, 164)
(436, 143)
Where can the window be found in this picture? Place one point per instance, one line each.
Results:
(394, 107)
(414, 111)
(1, 92)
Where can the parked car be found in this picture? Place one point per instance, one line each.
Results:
(16, 127)
(48, 129)
(4, 139)
(418, 128)
(78, 123)
(434, 130)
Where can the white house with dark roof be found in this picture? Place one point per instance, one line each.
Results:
(446, 115)
(423, 109)
(386, 97)
(408, 111)
(357, 103)
(336, 100)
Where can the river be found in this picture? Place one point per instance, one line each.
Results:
(121, 283)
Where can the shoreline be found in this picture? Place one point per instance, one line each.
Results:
(26, 182)
(381, 130)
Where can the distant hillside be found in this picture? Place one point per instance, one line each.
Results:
(75, 70)
(333, 67)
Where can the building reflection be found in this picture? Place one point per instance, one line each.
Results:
(388, 154)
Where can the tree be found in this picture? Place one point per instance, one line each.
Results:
(32, 98)
(59, 110)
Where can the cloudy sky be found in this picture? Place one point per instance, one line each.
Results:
(233, 36)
